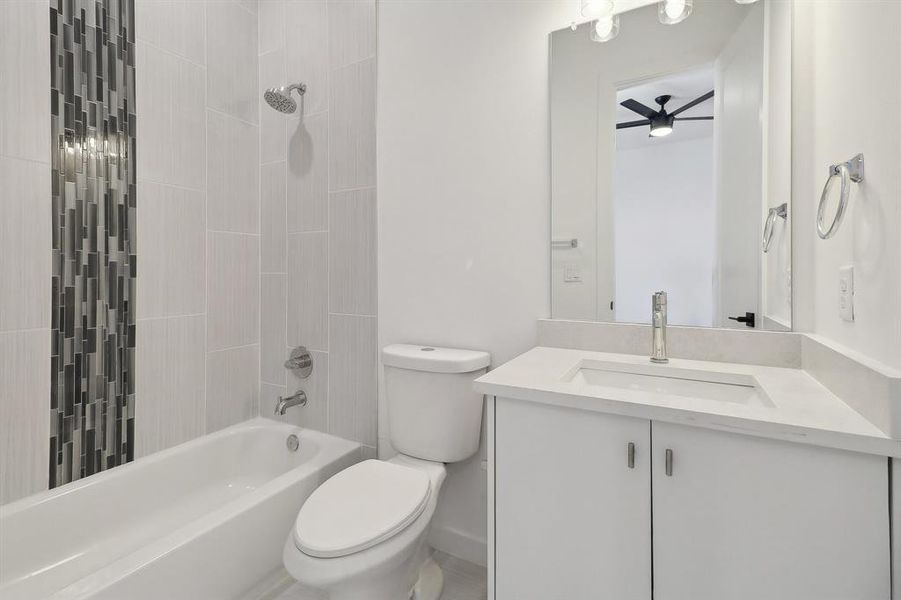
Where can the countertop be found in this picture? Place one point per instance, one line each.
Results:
(802, 410)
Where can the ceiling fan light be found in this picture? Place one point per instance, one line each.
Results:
(605, 29)
(745, 1)
(597, 8)
(670, 12)
(661, 130)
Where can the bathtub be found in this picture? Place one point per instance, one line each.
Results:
(205, 520)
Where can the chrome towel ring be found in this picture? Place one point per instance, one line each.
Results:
(770, 227)
(848, 171)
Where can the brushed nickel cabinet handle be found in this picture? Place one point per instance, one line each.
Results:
(630, 461)
(669, 462)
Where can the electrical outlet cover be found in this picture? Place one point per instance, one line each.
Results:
(846, 293)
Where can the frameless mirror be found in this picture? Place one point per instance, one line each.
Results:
(671, 167)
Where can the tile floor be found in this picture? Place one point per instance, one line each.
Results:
(462, 581)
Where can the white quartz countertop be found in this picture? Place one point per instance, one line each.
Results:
(797, 408)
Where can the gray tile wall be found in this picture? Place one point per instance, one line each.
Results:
(319, 213)
(199, 219)
(93, 126)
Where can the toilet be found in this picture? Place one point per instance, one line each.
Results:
(361, 535)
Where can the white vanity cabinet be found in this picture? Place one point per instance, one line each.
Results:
(572, 518)
(732, 517)
(745, 518)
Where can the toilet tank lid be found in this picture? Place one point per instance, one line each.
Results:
(434, 359)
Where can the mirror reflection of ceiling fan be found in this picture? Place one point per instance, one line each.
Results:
(660, 121)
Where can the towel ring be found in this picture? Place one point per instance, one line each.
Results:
(770, 227)
(848, 171)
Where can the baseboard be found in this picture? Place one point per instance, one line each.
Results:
(457, 543)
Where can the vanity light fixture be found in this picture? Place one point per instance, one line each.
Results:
(670, 12)
(605, 29)
(597, 8)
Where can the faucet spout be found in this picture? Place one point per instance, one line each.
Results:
(299, 398)
(658, 328)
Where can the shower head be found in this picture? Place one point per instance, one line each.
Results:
(280, 98)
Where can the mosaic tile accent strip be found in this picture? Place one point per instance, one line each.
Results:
(92, 53)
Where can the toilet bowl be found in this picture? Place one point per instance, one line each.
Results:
(362, 534)
(379, 554)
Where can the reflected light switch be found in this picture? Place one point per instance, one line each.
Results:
(572, 274)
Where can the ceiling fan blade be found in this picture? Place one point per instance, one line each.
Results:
(628, 124)
(694, 102)
(694, 118)
(634, 105)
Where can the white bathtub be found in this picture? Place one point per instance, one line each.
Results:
(205, 520)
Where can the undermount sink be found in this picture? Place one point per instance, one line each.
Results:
(735, 388)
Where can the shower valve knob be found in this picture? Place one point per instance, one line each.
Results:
(300, 361)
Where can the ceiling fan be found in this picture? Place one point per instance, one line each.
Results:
(660, 121)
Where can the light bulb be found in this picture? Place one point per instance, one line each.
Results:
(597, 8)
(661, 131)
(670, 12)
(605, 29)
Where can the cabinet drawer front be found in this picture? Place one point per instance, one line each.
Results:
(572, 504)
(745, 518)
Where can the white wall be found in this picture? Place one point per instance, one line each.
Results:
(673, 209)
(463, 196)
(846, 93)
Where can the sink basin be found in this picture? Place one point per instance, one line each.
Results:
(735, 388)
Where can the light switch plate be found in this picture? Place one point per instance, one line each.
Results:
(572, 274)
(846, 293)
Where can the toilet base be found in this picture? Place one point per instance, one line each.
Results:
(430, 583)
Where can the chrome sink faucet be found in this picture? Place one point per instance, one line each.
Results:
(299, 398)
(658, 327)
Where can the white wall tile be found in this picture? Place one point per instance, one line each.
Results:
(353, 374)
(352, 126)
(273, 329)
(272, 26)
(151, 385)
(233, 196)
(173, 25)
(24, 406)
(187, 133)
(233, 280)
(25, 80)
(170, 241)
(273, 226)
(170, 108)
(308, 152)
(252, 6)
(308, 290)
(306, 40)
(25, 244)
(233, 386)
(273, 124)
(353, 252)
(351, 31)
(182, 415)
(231, 50)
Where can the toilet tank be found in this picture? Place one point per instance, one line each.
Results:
(433, 411)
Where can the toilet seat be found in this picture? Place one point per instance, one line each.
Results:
(361, 506)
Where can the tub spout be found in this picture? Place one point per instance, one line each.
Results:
(299, 398)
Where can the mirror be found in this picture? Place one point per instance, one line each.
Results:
(671, 167)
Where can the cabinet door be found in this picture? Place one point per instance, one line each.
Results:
(572, 518)
(745, 518)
